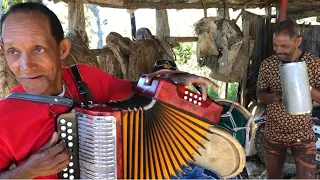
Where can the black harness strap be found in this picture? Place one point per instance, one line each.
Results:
(83, 89)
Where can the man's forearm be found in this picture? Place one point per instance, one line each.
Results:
(267, 97)
(315, 95)
(16, 173)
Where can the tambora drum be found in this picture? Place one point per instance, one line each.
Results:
(237, 120)
(223, 154)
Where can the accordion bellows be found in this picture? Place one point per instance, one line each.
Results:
(151, 136)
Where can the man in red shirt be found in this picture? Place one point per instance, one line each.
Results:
(34, 45)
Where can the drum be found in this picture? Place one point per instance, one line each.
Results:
(237, 120)
(224, 155)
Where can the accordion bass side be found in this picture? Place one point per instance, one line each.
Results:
(151, 136)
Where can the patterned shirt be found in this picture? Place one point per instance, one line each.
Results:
(281, 126)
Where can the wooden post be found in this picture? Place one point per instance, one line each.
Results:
(282, 6)
(246, 41)
(76, 18)
(162, 24)
(268, 27)
(222, 90)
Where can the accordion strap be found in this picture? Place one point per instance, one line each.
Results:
(83, 89)
(42, 98)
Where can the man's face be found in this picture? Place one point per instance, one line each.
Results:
(32, 53)
(284, 46)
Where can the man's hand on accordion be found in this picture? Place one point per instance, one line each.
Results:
(52, 158)
(185, 79)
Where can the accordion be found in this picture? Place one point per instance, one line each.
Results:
(162, 129)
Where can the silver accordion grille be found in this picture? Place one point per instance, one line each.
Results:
(97, 146)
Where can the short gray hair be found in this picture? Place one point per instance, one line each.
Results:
(288, 26)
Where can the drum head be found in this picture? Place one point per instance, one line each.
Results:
(223, 154)
(241, 117)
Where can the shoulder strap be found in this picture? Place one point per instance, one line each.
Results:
(83, 89)
(42, 98)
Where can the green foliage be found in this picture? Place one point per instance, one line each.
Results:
(6, 4)
(184, 52)
(233, 91)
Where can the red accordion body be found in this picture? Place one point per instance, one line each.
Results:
(173, 99)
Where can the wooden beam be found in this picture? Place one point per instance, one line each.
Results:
(180, 39)
(162, 24)
(126, 4)
(100, 52)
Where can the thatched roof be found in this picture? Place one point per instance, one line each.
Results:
(296, 8)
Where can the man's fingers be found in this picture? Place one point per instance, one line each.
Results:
(53, 151)
(204, 92)
(213, 85)
(61, 160)
(150, 76)
(62, 165)
(53, 141)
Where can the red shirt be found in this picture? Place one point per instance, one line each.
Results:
(26, 126)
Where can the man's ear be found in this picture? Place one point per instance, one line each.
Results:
(65, 46)
(299, 41)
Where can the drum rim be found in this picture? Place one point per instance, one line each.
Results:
(237, 104)
(246, 111)
(242, 155)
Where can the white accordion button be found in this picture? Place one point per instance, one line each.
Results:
(200, 98)
(185, 97)
(69, 124)
(63, 128)
(71, 164)
(71, 177)
(195, 96)
(190, 99)
(186, 92)
(66, 169)
(62, 121)
(70, 138)
(199, 103)
(69, 131)
(71, 171)
(63, 135)
(65, 175)
(191, 94)
(195, 102)
(70, 144)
